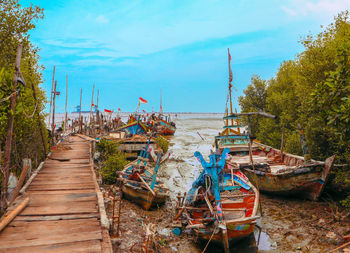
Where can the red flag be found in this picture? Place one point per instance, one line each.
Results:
(119, 109)
(229, 66)
(142, 100)
(92, 104)
(106, 110)
(143, 111)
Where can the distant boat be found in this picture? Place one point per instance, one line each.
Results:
(222, 204)
(134, 126)
(163, 124)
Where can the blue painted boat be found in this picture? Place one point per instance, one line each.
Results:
(140, 184)
(222, 204)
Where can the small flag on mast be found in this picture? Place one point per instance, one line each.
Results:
(142, 100)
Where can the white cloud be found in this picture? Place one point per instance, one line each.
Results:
(101, 19)
(324, 9)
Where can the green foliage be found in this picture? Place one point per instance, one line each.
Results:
(113, 160)
(163, 143)
(15, 23)
(314, 91)
(107, 148)
(111, 165)
(254, 99)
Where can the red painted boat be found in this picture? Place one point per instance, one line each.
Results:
(221, 205)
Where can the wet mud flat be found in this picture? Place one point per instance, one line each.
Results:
(287, 224)
(296, 225)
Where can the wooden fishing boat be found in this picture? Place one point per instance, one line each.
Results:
(275, 171)
(165, 128)
(140, 184)
(163, 124)
(222, 204)
(134, 127)
(283, 173)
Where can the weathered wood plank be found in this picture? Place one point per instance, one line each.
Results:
(63, 214)
(51, 239)
(57, 217)
(92, 246)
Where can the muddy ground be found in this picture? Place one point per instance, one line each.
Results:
(287, 224)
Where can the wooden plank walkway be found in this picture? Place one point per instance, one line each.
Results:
(64, 210)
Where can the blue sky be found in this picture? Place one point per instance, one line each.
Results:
(137, 47)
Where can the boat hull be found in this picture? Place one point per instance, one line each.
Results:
(168, 131)
(307, 182)
(235, 233)
(142, 197)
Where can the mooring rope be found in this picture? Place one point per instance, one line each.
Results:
(29, 116)
(8, 97)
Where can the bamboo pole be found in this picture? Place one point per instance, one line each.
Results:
(145, 183)
(282, 144)
(39, 121)
(52, 86)
(8, 143)
(4, 222)
(26, 166)
(53, 113)
(92, 102)
(80, 119)
(65, 115)
(98, 93)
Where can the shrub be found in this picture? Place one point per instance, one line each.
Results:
(107, 148)
(112, 159)
(111, 165)
(163, 143)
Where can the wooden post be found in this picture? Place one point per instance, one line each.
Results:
(97, 111)
(53, 83)
(8, 143)
(26, 165)
(92, 102)
(80, 119)
(53, 114)
(282, 144)
(98, 93)
(39, 121)
(65, 115)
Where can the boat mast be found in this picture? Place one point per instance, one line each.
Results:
(230, 81)
(161, 108)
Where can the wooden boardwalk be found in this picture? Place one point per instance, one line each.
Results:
(65, 207)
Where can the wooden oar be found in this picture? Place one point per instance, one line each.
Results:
(145, 183)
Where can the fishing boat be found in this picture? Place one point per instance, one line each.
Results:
(273, 170)
(140, 184)
(162, 124)
(270, 169)
(133, 127)
(222, 204)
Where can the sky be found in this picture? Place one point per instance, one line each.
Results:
(135, 48)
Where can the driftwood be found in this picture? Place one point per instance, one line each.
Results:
(23, 175)
(4, 222)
